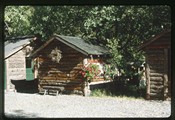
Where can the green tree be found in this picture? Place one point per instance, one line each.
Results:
(129, 26)
(121, 29)
(18, 20)
(65, 20)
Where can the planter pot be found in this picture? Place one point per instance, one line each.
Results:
(87, 90)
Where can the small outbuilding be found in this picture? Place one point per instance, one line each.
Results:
(158, 66)
(15, 53)
(58, 62)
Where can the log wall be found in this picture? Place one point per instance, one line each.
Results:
(64, 72)
(157, 73)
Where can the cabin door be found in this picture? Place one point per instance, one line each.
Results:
(29, 69)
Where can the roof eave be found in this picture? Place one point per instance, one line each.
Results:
(71, 45)
(40, 48)
(148, 42)
(12, 53)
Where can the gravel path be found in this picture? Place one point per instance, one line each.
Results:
(75, 106)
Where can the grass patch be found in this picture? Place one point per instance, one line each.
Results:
(101, 93)
(128, 92)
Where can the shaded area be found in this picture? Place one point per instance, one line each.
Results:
(24, 86)
(20, 114)
(120, 87)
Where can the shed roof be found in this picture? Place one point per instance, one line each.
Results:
(82, 46)
(77, 44)
(157, 38)
(13, 47)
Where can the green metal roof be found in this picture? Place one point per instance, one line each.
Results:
(81, 45)
(76, 43)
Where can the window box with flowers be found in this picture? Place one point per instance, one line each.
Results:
(89, 73)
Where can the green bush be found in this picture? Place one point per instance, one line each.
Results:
(101, 93)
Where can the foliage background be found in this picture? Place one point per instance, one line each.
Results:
(121, 29)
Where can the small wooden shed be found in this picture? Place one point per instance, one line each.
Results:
(158, 66)
(59, 60)
(15, 54)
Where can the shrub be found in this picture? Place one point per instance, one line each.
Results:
(101, 93)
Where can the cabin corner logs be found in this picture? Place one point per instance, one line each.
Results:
(158, 85)
(158, 66)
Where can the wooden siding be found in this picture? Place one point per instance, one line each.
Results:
(158, 65)
(64, 72)
(162, 40)
(157, 73)
(15, 68)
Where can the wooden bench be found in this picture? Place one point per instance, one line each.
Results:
(60, 86)
(59, 89)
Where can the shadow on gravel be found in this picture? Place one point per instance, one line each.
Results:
(20, 114)
(24, 86)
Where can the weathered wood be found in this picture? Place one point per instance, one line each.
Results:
(156, 91)
(156, 74)
(154, 51)
(61, 83)
(15, 68)
(148, 81)
(60, 78)
(62, 75)
(159, 63)
(53, 87)
(57, 88)
(156, 96)
(157, 68)
(73, 88)
(156, 78)
(165, 76)
(98, 79)
(156, 82)
(159, 46)
(157, 87)
(154, 71)
(48, 66)
(156, 62)
(66, 72)
(153, 74)
(57, 82)
(155, 58)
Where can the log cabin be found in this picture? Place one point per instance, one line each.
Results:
(158, 66)
(15, 53)
(58, 62)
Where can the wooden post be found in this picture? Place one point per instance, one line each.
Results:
(165, 76)
(7, 76)
(148, 81)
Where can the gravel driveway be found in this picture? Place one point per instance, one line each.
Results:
(65, 106)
